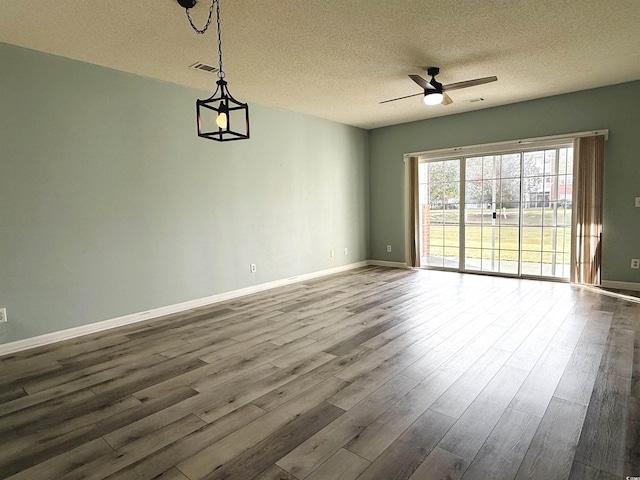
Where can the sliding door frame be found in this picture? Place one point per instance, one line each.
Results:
(500, 148)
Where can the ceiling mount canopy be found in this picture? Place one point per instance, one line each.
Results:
(187, 3)
(219, 117)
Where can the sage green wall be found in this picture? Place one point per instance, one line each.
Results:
(616, 108)
(110, 204)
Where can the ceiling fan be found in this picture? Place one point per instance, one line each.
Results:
(434, 92)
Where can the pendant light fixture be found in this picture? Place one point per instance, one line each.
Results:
(220, 117)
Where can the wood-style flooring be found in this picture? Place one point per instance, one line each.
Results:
(375, 373)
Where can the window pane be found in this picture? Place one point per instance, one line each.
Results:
(510, 166)
(474, 168)
(472, 259)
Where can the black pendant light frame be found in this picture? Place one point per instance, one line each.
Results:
(221, 102)
(236, 125)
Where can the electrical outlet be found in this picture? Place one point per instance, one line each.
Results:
(3, 314)
(332, 253)
(635, 263)
(388, 248)
(253, 268)
(638, 202)
(346, 251)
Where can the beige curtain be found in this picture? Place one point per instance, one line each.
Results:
(588, 174)
(414, 241)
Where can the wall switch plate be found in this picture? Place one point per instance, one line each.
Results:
(346, 251)
(638, 202)
(253, 268)
(635, 263)
(388, 248)
(332, 253)
(3, 314)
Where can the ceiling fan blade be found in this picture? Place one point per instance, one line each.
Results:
(446, 100)
(468, 83)
(400, 98)
(422, 82)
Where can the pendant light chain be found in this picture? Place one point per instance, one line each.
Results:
(206, 26)
(220, 71)
(200, 31)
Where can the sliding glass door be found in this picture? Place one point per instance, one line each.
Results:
(492, 213)
(439, 213)
(515, 217)
(546, 212)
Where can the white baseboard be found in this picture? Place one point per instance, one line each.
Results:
(383, 263)
(46, 339)
(621, 285)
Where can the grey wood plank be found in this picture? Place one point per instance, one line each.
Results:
(12, 393)
(24, 453)
(384, 430)
(632, 448)
(406, 454)
(579, 377)
(618, 353)
(165, 458)
(313, 452)
(607, 412)
(580, 471)
(536, 391)
(226, 403)
(30, 406)
(63, 464)
(441, 465)
(289, 390)
(503, 386)
(519, 331)
(465, 332)
(192, 404)
(569, 333)
(242, 363)
(264, 453)
(635, 379)
(530, 350)
(146, 377)
(377, 436)
(367, 382)
(553, 447)
(173, 474)
(275, 473)
(597, 329)
(342, 465)
(461, 394)
(85, 377)
(470, 432)
(358, 339)
(136, 450)
(504, 449)
(199, 465)
(74, 419)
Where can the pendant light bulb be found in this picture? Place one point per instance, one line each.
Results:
(221, 120)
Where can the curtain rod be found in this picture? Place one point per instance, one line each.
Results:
(470, 149)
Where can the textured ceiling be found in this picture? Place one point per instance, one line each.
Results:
(337, 59)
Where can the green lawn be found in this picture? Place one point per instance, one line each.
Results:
(537, 234)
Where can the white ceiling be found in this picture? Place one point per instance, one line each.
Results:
(336, 59)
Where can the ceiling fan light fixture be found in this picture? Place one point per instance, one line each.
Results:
(433, 98)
